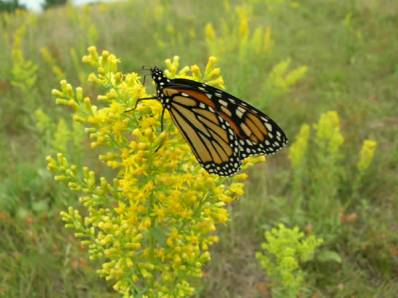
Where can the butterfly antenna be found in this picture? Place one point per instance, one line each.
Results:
(142, 69)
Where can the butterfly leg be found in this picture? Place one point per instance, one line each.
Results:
(137, 102)
(161, 120)
(161, 128)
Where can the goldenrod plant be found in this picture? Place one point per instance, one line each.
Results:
(237, 42)
(151, 217)
(59, 136)
(366, 155)
(326, 173)
(237, 38)
(51, 61)
(280, 79)
(24, 71)
(282, 255)
(297, 154)
(318, 172)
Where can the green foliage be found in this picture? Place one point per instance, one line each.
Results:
(282, 256)
(341, 58)
(280, 80)
(24, 72)
(59, 136)
(236, 42)
(318, 173)
(53, 3)
(10, 5)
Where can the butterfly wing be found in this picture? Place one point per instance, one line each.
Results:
(210, 136)
(256, 132)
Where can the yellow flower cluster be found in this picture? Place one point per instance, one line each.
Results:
(298, 149)
(328, 135)
(366, 155)
(212, 75)
(281, 78)
(151, 215)
(237, 38)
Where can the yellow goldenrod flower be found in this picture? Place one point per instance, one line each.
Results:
(298, 149)
(328, 135)
(153, 223)
(281, 79)
(366, 155)
(209, 31)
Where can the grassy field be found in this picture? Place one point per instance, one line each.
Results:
(327, 73)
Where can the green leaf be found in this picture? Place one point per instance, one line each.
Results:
(40, 206)
(329, 256)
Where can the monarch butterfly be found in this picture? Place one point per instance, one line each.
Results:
(221, 129)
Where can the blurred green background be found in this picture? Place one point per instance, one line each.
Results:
(295, 60)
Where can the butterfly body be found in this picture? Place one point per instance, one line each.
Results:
(221, 129)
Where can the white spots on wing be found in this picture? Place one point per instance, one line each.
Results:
(201, 89)
(278, 136)
(208, 95)
(269, 126)
(223, 102)
(202, 105)
(184, 94)
(239, 113)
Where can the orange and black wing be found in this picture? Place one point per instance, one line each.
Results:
(256, 132)
(210, 136)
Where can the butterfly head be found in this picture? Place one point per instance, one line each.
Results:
(161, 81)
(158, 76)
